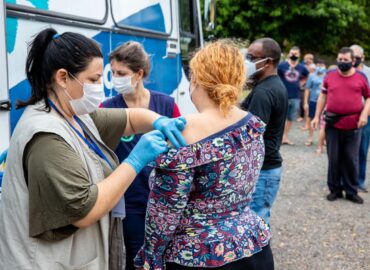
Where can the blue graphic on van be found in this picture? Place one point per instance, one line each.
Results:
(11, 33)
(11, 30)
(12, 23)
(41, 4)
(165, 74)
(150, 18)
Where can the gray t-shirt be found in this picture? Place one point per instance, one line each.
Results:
(366, 71)
(60, 191)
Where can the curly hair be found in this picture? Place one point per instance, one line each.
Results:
(219, 69)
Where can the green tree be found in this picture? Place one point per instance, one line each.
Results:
(320, 26)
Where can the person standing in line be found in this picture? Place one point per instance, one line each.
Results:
(343, 92)
(269, 101)
(130, 65)
(293, 76)
(308, 60)
(365, 136)
(306, 119)
(312, 92)
(309, 63)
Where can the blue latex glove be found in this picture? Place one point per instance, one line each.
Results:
(146, 150)
(3, 156)
(171, 128)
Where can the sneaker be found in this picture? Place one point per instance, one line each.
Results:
(363, 189)
(354, 198)
(332, 196)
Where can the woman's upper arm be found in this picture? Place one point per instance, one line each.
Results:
(111, 124)
(60, 191)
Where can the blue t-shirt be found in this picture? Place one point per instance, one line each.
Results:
(314, 84)
(291, 78)
(136, 196)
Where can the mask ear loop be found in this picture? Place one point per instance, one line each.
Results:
(259, 61)
(68, 95)
(76, 79)
(83, 91)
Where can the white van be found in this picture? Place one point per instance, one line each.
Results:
(168, 29)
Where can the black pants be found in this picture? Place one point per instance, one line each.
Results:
(262, 260)
(343, 151)
(133, 232)
(301, 103)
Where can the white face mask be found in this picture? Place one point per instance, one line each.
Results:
(251, 67)
(91, 99)
(123, 84)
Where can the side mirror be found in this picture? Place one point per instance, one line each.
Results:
(210, 14)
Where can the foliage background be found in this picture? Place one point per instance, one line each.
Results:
(321, 27)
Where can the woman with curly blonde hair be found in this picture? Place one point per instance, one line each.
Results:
(199, 212)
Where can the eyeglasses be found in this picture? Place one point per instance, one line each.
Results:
(252, 58)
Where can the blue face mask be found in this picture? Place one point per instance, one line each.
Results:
(320, 70)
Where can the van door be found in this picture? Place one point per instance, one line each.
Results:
(4, 93)
(190, 38)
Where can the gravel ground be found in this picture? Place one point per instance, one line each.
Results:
(310, 232)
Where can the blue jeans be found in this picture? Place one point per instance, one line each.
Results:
(364, 147)
(265, 193)
(293, 109)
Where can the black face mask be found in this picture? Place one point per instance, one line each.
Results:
(293, 58)
(357, 62)
(344, 66)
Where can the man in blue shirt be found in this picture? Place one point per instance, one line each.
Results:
(358, 52)
(312, 93)
(293, 74)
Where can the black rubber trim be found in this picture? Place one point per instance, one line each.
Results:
(48, 19)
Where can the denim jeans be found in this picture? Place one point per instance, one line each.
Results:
(364, 147)
(293, 109)
(265, 193)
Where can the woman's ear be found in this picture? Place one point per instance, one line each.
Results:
(61, 76)
(140, 74)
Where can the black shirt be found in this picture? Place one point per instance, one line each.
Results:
(269, 101)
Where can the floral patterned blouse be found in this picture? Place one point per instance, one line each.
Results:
(198, 211)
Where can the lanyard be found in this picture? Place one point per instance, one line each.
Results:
(89, 142)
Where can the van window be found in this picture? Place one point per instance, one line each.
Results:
(83, 9)
(148, 16)
(189, 31)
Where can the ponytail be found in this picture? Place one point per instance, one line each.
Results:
(34, 68)
(49, 52)
(226, 95)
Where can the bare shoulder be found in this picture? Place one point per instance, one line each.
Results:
(191, 131)
(200, 126)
